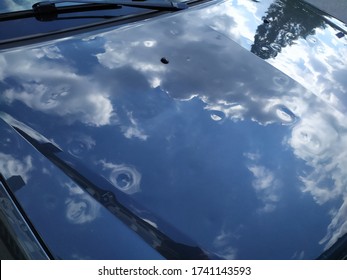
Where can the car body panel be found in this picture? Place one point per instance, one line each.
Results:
(225, 121)
(15, 231)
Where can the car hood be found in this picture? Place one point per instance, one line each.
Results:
(221, 127)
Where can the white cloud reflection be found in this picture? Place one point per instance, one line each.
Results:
(265, 183)
(78, 144)
(124, 177)
(222, 244)
(133, 130)
(298, 255)
(338, 225)
(50, 89)
(321, 141)
(10, 166)
(80, 207)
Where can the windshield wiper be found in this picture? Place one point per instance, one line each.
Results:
(46, 10)
(49, 10)
(161, 6)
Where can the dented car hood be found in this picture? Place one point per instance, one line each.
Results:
(215, 132)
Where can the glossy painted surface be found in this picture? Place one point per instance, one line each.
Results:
(14, 228)
(226, 121)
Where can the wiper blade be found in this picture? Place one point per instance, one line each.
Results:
(48, 9)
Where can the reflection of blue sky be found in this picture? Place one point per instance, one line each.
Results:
(220, 137)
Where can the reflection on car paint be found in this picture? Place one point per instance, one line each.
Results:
(15, 231)
(223, 144)
(125, 178)
(81, 210)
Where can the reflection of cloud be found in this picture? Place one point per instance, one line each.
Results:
(51, 52)
(78, 144)
(298, 255)
(80, 207)
(7, 139)
(113, 58)
(9, 166)
(221, 244)
(252, 156)
(133, 130)
(320, 140)
(338, 225)
(228, 90)
(265, 183)
(236, 19)
(266, 186)
(320, 66)
(124, 177)
(323, 147)
(314, 138)
(55, 88)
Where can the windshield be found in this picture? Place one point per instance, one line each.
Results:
(7, 6)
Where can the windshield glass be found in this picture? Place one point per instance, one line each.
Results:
(7, 6)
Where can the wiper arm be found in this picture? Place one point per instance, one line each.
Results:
(48, 9)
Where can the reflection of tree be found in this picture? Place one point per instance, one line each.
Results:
(285, 22)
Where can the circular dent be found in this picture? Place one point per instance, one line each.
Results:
(125, 178)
